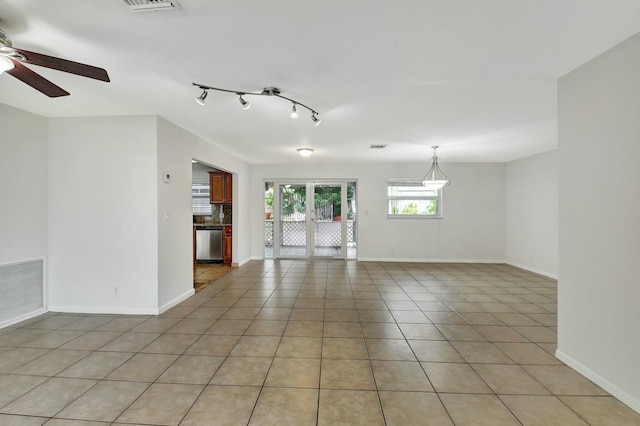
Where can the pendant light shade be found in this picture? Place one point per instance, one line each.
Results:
(435, 178)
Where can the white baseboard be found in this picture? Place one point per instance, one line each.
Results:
(170, 304)
(123, 310)
(614, 390)
(242, 262)
(118, 310)
(403, 260)
(534, 270)
(23, 317)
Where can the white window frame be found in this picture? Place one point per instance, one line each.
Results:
(416, 183)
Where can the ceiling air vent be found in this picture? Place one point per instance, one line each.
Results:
(373, 146)
(151, 5)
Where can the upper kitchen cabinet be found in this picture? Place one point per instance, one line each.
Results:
(221, 187)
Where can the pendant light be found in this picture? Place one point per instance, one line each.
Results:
(435, 178)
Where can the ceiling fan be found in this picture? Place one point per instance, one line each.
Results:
(11, 60)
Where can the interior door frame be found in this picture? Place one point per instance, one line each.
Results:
(309, 216)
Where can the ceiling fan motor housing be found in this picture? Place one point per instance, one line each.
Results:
(6, 48)
(4, 39)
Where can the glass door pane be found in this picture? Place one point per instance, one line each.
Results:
(327, 220)
(352, 222)
(292, 220)
(269, 234)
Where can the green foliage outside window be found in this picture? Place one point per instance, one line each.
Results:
(410, 208)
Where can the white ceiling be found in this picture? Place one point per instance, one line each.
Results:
(476, 77)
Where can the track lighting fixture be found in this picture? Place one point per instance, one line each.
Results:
(245, 105)
(305, 152)
(267, 91)
(200, 99)
(435, 178)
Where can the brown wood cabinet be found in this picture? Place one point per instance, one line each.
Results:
(226, 245)
(221, 187)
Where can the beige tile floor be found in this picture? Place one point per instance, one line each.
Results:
(311, 342)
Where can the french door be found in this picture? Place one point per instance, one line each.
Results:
(308, 219)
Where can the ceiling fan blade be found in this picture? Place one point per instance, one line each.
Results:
(59, 64)
(36, 81)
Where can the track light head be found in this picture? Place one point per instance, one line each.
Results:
(245, 104)
(294, 113)
(315, 119)
(200, 99)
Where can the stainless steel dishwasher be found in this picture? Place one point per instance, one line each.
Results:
(209, 244)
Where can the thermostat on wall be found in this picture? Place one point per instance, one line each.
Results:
(166, 177)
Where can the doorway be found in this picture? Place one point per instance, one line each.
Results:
(306, 219)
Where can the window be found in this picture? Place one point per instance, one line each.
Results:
(408, 198)
(200, 202)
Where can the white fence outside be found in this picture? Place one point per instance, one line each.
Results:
(293, 233)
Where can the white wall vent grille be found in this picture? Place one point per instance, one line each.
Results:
(21, 289)
(151, 5)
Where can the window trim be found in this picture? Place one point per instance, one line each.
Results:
(417, 183)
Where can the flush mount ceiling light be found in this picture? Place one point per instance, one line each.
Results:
(305, 152)
(435, 178)
(267, 91)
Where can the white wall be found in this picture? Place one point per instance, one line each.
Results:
(531, 220)
(175, 245)
(599, 220)
(474, 211)
(201, 172)
(23, 185)
(103, 214)
(176, 148)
